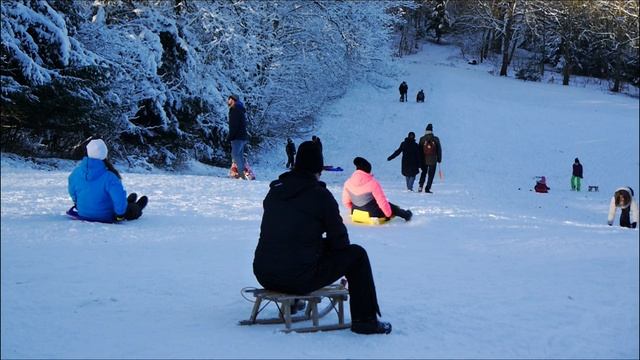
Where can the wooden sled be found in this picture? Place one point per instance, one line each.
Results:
(362, 217)
(336, 294)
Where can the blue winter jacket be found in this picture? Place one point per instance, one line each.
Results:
(97, 192)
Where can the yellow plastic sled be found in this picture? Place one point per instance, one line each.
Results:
(362, 217)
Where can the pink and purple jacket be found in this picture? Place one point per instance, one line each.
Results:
(360, 189)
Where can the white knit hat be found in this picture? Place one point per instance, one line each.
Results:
(97, 149)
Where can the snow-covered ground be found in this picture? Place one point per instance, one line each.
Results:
(486, 268)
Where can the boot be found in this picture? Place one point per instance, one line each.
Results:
(370, 327)
(297, 305)
(142, 202)
(132, 197)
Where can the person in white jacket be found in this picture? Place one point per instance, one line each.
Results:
(623, 199)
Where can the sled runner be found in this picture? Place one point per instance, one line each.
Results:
(336, 295)
(362, 217)
(332, 168)
(72, 213)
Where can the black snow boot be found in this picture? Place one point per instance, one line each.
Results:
(132, 197)
(370, 327)
(297, 305)
(142, 202)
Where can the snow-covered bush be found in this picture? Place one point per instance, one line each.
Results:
(152, 76)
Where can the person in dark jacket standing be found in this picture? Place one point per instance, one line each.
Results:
(410, 159)
(292, 255)
(238, 135)
(430, 155)
(404, 89)
(291, 152)
(576, 176)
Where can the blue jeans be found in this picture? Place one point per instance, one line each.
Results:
(410, 180)
(237, 154)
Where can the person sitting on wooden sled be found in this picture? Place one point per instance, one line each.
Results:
(96, 189)
(292, 255)
(363, 192)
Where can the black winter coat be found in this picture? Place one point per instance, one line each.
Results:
(297, 210)
(577, 170)
(410, 157)
(237, 123)
(290, 148)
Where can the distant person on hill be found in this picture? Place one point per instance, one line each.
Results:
(576, 175)
(623, 199)
(304, 245)
(363, 192)
(541, 185)
(430, 155)
(238, 137)
(410, 159)
(404, 89)
(316, 140)
(291, 152)
(420, 96)
(96, 189)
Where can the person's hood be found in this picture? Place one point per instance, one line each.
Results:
(239, 106)
(292, 183)
(409, 141)
(92, 169)
(360, 178)
(627, 189)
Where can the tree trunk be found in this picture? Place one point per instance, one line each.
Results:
(566, 72)
(506, 39)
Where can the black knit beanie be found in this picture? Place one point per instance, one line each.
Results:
(429, 127)
(309, 158)
(362, 164)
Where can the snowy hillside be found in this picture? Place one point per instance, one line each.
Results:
(486, 268)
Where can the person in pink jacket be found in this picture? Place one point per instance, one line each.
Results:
(363, 192)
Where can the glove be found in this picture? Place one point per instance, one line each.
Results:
(389, 158)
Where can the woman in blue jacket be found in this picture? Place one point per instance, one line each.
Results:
(96, 189)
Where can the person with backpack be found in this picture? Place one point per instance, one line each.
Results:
(410, 159)
(304, 245)
(430, 155)
(363, 192)
(576, 175)
(291, 152)
(404, 89)
(96, 189)
(623, 199)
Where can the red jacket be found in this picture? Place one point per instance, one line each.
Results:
(360, 189)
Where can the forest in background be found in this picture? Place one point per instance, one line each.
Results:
(152, 76)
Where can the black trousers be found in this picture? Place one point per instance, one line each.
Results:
(374, 210)
(351, 262)
(431, 170)
(625, 217)
(289, 160)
